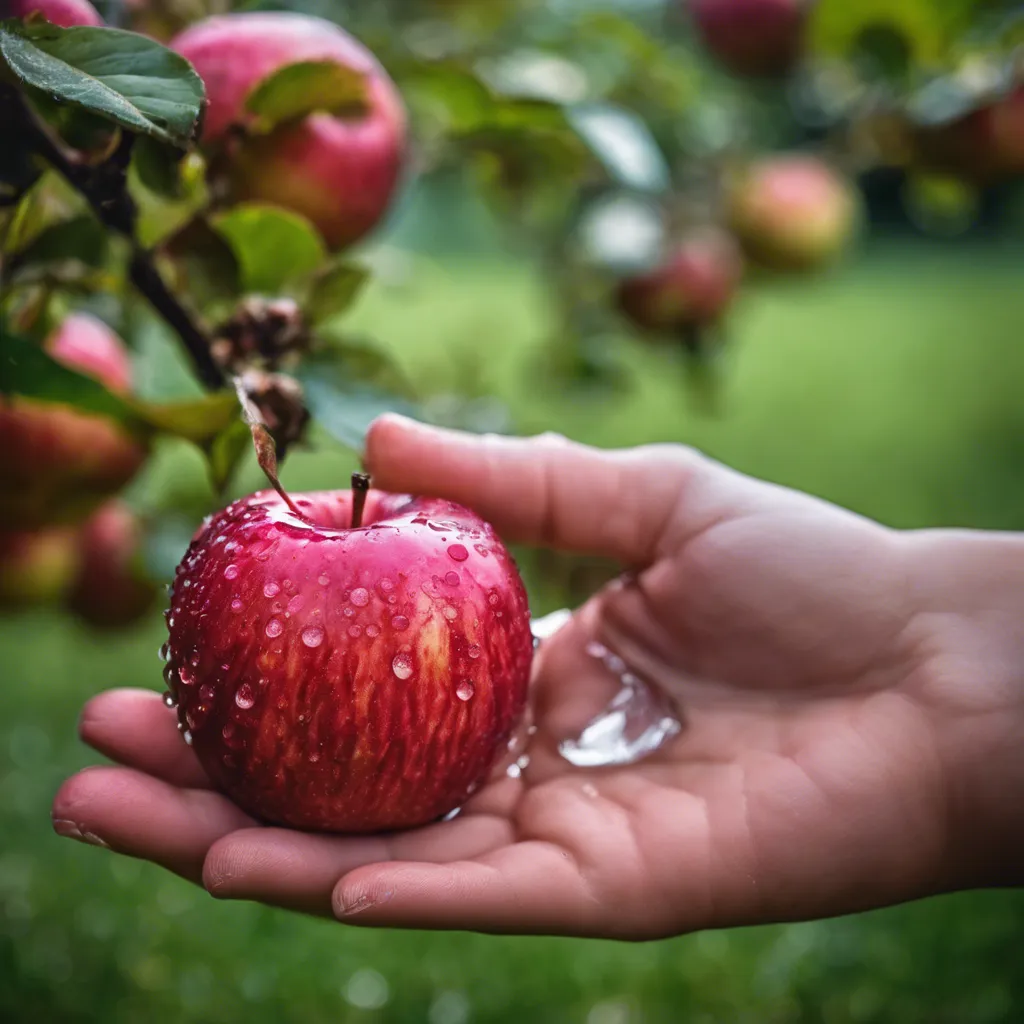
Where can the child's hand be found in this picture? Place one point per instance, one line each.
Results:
(850, 696)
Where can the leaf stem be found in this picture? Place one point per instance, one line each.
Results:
(104, 186)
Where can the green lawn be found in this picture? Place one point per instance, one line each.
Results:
(892, 387)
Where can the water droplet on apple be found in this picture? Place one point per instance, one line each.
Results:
(348, 612)
(323, 579)
(170, 675)
(194, 660)
(244, 697)
(170, 621)
(372, 630)
(228, 731)
(186, 584)
(355, 631)
(314, 756)
(360, 597)
(187, 737)
(312, 636)
(474, 651)
(231, 572)
(458, 552)
(271, 589)
(186, 675)
(452, 578)
(384, 587)
(165, 652)
(452, 814)
(296, 603)
(207, 693)
(400, 622)
(236, 605)
(402, 666)
(465, 690)
(169, 700)
(482, 550)
(274, 628)
(450, 613)
(492, 599)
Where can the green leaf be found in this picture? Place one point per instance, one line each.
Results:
(158, 167)
(348, 388)
(334, 289)
(81, 239)
(48, 202)
(198, 420)
(122, 76)
(273, 247)
(226, 451)
(623, 144)
(296, 90)
(206, 268)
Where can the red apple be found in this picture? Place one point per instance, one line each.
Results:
(58, 463)
(692, 287)
(110, 590)
(348, 679)
(755, 38)
(793, 212)
(984, 147)
(65, 13)
(36, 566)
(338, 171)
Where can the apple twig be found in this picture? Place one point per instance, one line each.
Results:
(105, 189)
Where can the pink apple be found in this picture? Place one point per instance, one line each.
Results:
(754, 38)
(338, 171)
(348, 679)
(65, 13)
(36, 566)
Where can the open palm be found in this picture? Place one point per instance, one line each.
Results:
(804, 782)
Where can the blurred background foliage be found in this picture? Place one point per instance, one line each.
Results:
(889, 383)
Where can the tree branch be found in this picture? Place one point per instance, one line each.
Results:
(105, 188)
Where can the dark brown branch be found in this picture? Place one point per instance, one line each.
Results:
(105, 188)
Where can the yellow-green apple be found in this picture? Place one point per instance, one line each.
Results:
(793, 212)
(58, 463)
(349, 673)
(36, 566)
(110, 590)
(754, 38)
(691, 287)
(338, 170)
(65, 13)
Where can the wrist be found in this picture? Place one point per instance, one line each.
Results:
(967, 589)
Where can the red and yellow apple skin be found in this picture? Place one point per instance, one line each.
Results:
(65, 13)
(753, 38)
(58, 463)
(36, 567)
(348, 680)
(340, 172)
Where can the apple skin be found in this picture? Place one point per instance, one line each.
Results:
(57, 463)
(109, 592)
(692, 287)
(65, 13)
(792, 212)
(985, 147)
(36, 567)
(348, 680)
(339, 172)
(752, 38)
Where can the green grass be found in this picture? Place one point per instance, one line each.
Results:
(892, 387)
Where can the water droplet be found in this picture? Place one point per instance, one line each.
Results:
(458, 552)
(400, 622)
(451, 578)
(465, 690)
(186, 675)
(186, 584)
(271, 589)
(492, 599)
(482, 550)
(355, 631)
(274, 628)
(360, 597)
(385, 586)
(523, 762)
(169, 700)
(165, 652)
(187, 737)
(231, 572)
(170, 675)
(296, 603)
(348, 612)
(194, 660)
(513, 771)
(228, 731)
(452, 814)
(312, 636)
(207, 693)
(474, 651)
(323, 579)
(288, 586)
(236, 605)
(372, 630)
(314, 756)
(244, 697)
(170, 621)
(450, 613)
(402, 666)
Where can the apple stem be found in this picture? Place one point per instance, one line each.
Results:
(360, 487)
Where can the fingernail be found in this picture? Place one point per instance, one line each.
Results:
(359, 902)
(71, 830)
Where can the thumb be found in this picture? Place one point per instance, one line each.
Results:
(541, 490)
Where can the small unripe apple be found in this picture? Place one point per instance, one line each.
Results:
(754, 38)
(58, 463)
(65, 13)
(338, 171)
(348, 673)
(793, 212)
(37, 566)
(984, 147)
(110, 590)
(692, 287)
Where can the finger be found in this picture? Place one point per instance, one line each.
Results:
(542, 490)
(299, 871)
(135, 728)
(144, 817)
(528, 888)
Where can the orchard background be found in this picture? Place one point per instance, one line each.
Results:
(580, 235)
